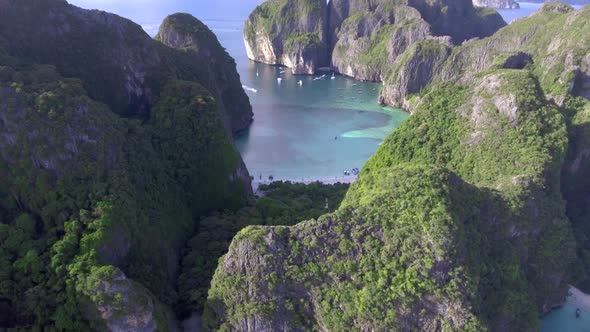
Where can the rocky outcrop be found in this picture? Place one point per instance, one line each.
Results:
(559, 59)
(183, 31)
(416, 239)
(124, 304)
(415, 71)
(361, 39)
(369, 41)
(290, 33)
(498, 4)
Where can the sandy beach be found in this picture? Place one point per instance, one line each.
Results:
(325, 180)
(578, 298)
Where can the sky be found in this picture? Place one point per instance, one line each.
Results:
(156, 9)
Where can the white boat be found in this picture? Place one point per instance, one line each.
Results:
(300, 83)
(333, 76)
(247, 88)
(282, 72)
(257, 74)
(279, 80)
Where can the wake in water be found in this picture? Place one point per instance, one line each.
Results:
(247, 88)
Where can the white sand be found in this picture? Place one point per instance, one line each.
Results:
(325, 180)
(578, 298)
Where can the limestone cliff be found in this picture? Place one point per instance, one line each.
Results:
(290, 33)
(361, 39)
(369, 37)
(499, 4)
(183, 31)
(440, 232)
(132, 67)
(560, 60)
(108, 159)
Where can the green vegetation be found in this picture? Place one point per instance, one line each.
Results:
(303, 40)
(376, 54)
(282, 204)
(88, 197)
(461, 206)
(554, 58)
(295, 28)
(472, 216)
(575, 183)
(134, 69)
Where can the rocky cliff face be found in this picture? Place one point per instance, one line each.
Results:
(369, 39)
(477, 200)
(559, 60)
(498, 4)
(362, 39)
(75, 42)
(182, 31)
(440, 232)
(113, 145)
(290, 33)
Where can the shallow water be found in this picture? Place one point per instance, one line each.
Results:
(305, 127)
(564, 320)
(308, 127)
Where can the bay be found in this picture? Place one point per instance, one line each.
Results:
(312, 130)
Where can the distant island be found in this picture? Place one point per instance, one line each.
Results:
(571, 2)
(513, 4)
(498, 4)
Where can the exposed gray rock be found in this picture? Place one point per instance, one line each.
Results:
(123, 305)
(290, 33)
(414, 71)
(530, 44)
(118, 62)
(360, 38)
(369, 41)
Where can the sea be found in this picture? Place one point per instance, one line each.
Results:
(305, 127)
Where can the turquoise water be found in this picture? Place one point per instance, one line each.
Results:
(295, 126)
(307, 127)
(564, 320)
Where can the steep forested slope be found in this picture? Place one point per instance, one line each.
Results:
(471, 216)
(456, 223)
(112, 147)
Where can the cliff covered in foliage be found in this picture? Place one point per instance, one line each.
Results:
(357, 38)
(112, 146)
(292, 33)
(561, 60)
(471, 216)
(457, 223)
